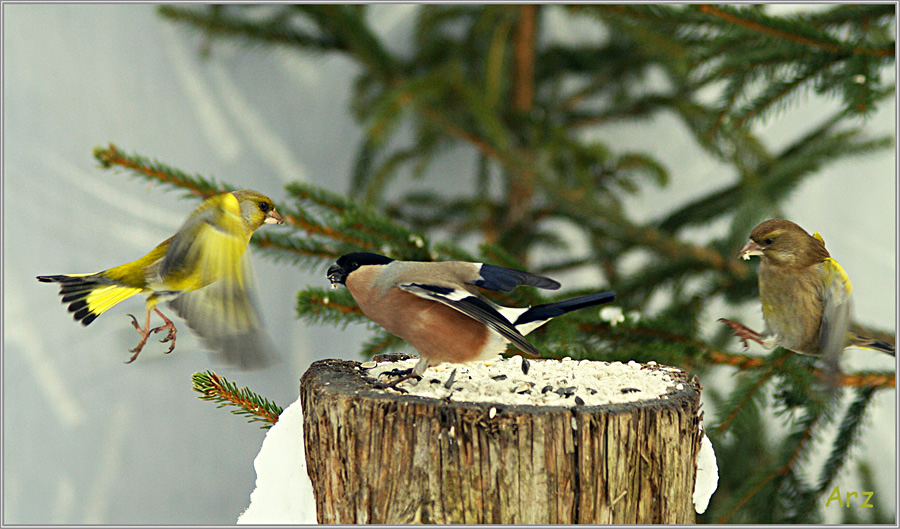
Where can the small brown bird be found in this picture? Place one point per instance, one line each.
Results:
(805, 294)
(437, 309)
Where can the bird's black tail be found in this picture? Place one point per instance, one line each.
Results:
(551, 310)
(89, 295)
(871, 343)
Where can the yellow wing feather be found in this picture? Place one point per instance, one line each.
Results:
(206, 248)
(837, 278)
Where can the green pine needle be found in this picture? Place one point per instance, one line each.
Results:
(111, 157)
(215, 388)
(848, 433)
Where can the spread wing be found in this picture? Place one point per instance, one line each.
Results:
(227, 316)
(206, 261)
(207, 247)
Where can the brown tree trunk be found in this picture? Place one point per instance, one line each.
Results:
(379, 457)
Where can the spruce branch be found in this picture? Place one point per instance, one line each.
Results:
(761, 482)
(639, 334)
(742, 398)
(335, 306)
(615, 227)
(507, 157)
(303, 251)
(275, 30)
(761, 26)
(153, 171)
(381, 342)
(450, 252)
(312, 227)
(869, 379)
(775, 93)
(319, 196)
(848, 433)
(798, 443)
(347, 26)
(351, 227)
(819, 411)
(218, 389)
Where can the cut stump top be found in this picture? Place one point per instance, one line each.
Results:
(379, 456)
(548, 385)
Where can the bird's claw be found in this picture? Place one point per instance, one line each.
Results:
(135, 323)
(404, 374)
(140, 346)
(382, 385)
(137, 350)
(170, 337)
(743, 333)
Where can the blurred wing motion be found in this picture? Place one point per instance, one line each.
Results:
(208, 257)
(839, 294)
(836, 312)
(225, 314)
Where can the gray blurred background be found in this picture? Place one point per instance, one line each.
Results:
(88, 439)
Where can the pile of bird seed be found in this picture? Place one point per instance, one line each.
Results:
(517, 380)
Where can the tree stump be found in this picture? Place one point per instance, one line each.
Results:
(377, 456)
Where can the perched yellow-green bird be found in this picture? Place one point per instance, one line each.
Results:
(202, 272)
(805, 294)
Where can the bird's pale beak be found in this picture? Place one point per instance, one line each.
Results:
(273, 217)
(750, 249)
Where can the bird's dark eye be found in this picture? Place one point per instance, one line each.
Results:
(264, 207)
(768, 240)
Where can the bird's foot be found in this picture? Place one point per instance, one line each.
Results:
(744, 333)
(140, 346)
(146, 331)
(170, 337)
(382, 385)
(405, 374)
(135, 323)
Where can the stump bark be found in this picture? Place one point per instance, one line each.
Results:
(379, 457)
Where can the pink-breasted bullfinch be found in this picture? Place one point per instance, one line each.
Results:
(436, 306)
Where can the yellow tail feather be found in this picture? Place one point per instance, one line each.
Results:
(90, 295)
(104, 298)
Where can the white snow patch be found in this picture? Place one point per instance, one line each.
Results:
(284, 493)
(707, 475)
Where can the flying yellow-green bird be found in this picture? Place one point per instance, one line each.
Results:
(202, 272)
